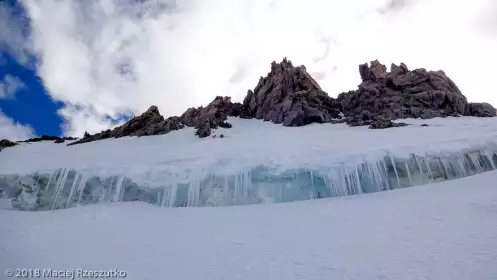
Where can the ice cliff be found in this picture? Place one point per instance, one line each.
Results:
(256, 162)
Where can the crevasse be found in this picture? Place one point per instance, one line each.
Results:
(64, 188)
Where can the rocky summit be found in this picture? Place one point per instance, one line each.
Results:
(288, 95)
(402, 93)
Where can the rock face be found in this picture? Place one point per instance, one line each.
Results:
(4, 143)
(48, 138)
(480, 110)
(149, 123)
(402, 93)
(152, 122)
(382, 124)
(214, 115)
(290, 96)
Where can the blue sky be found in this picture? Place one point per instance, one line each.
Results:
(26, 107)
(72, 66)
(23, 97)
(29, 104)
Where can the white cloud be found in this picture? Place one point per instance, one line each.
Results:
(487, 22)
(9, 129)
(79, 120)
(105, 58)
(9, 86)
(12, 39)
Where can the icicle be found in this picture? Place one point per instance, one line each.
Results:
(476, 163)
(385, 172)
(380, 184)
(408, 174)
(395, 170)
(189, 196)
(494, 158)
(466, 166)
(172, 197)
(371, 183)
(488, 155)
(337, 181)
(60, 186)
(57, 174)
(428, 167)
(52, 176)
(106, 195)
(311, 193)
(118, 189)
(443, 164)
(76, 180)
(358, 182)
(163, 196)
(347, 184)
(379, 177)
(420, 169)
(81, 187)
(270, 184)
(462, 166)
(328, 183)
(226, 188)
(193, 194)
(244, 187)
(236, 187)
(247, 185)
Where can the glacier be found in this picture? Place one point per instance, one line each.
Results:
(255, 163)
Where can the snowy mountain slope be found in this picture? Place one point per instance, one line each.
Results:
(444, 231)
(256, 162)
(249, 143)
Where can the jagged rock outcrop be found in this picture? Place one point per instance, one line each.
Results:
(480, 110)
(138, 124)
(152, 122)
(214, 115)
(290, 96)
(162, 127)
(382, 124)
(4, 143)
(48, 138)
(149, 123)
(402, 93)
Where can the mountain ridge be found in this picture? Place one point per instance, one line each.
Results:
(290, 96)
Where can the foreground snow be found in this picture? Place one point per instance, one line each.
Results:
(441, 231)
